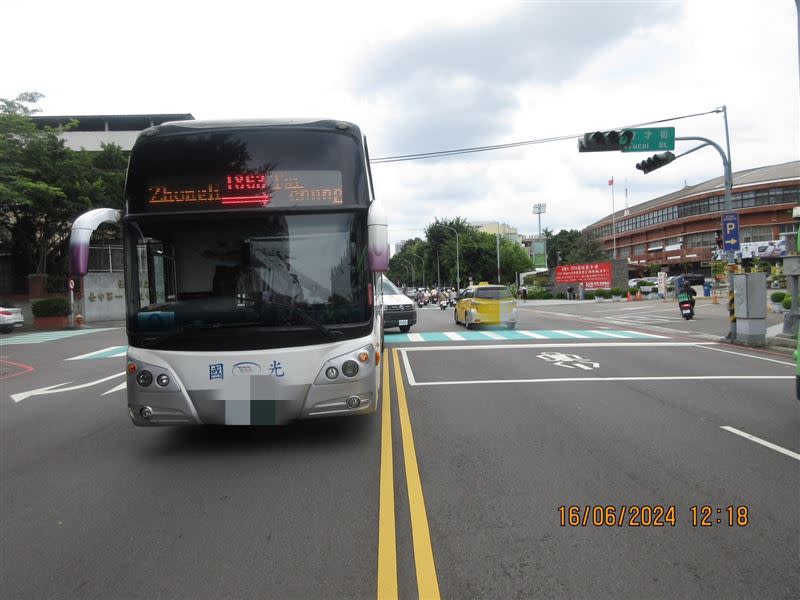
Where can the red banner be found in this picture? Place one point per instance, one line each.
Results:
(593, 275)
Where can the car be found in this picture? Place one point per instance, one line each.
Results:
(10, 317)
(486, 304)
(695, 278)
(398, 309)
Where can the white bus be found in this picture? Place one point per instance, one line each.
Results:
(252, 251)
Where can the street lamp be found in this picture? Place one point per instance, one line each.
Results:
(458, 266)
(413, 276)
(538, 209)
(423, 266)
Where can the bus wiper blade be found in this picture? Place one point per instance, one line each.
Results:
(331, 333)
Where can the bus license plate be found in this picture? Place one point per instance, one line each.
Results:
(403, 322)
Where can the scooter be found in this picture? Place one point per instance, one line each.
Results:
(443, 304)
(685, 306)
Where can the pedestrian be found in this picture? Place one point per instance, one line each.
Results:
(581, 289)
(524, 294)
(570, 291)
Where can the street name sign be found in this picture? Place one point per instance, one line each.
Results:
(730, 231)
(651, 139)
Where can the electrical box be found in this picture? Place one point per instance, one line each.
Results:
(750, 301)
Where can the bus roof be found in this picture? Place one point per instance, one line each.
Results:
(332, 124)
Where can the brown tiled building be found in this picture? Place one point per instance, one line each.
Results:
(680, 229)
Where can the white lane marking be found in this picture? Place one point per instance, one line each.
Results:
(535, 336)
(96, 352)
(780, 362)
(602, 332)
(642, 344)
(753, 438)
(51, 389)
(454, 336)
(409, 372)
(415, 337)
(121, 386)
(605, 379)
(493, 335)
(651, 335)
(570, 334)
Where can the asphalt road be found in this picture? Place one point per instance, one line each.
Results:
(453, 491)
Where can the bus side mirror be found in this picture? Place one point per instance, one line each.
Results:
(82, 230)
(378, 242)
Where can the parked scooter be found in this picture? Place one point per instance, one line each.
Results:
(443, 304)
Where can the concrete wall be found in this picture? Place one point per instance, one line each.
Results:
(103, 297)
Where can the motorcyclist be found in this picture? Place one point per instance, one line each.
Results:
(689, 290)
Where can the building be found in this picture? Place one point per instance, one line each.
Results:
(507, 231)
(682, 229)
(94, 130)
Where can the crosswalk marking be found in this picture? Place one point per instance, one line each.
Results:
(571, 334)
(47, 336)
(493, 336)
(456, 336)
(534, 335)
(516, 335)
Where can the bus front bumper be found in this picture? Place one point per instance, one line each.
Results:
(250, 398)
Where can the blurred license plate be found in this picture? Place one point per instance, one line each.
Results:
(403, 322)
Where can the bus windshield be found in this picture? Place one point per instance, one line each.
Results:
(273, 273)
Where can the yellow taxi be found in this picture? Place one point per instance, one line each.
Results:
(486, 304)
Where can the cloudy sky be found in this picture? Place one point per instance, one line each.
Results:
(427, 76)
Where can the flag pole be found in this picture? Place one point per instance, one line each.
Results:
(613, 218)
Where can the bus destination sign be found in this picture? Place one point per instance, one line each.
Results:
(278, 189)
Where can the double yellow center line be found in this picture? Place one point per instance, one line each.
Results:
(427, 583)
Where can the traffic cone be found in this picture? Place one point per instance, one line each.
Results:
(630, 298)
(639, 294)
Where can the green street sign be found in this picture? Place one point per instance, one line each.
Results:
(650, 139)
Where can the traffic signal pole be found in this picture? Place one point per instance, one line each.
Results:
(726, 163)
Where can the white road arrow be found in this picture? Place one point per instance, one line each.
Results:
(51, 389)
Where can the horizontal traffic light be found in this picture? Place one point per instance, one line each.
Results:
(655, 162)
(605, 141)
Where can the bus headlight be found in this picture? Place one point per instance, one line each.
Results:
(162, 380)
(350, 368)
(331, 373)
(144, 378)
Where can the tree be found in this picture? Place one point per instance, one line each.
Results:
(44, 185)
(587, 249)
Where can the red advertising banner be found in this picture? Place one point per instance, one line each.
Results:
(593, 275)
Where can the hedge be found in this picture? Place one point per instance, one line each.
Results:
(601, 293)
(787, 302)
(51, 307)
(777, 296)
(561, 296)
(617, 292)
(588, 296)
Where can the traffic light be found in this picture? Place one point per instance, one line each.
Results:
(655, 162)
(605, 141)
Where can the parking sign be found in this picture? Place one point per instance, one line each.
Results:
(730, 231)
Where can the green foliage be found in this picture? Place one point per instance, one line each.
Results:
(632, 290)
(588, 296)
(44, 186)
(601, 293)
(561, 296)
(787, 302)
(777, 296)
(572, 246)
(645, 284)
(617, 291)
(538, 293)
(51, 307)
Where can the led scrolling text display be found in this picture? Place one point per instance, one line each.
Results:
(289, 188)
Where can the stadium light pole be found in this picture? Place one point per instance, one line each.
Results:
(413, 275)
(422, 260)
(538, 209)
